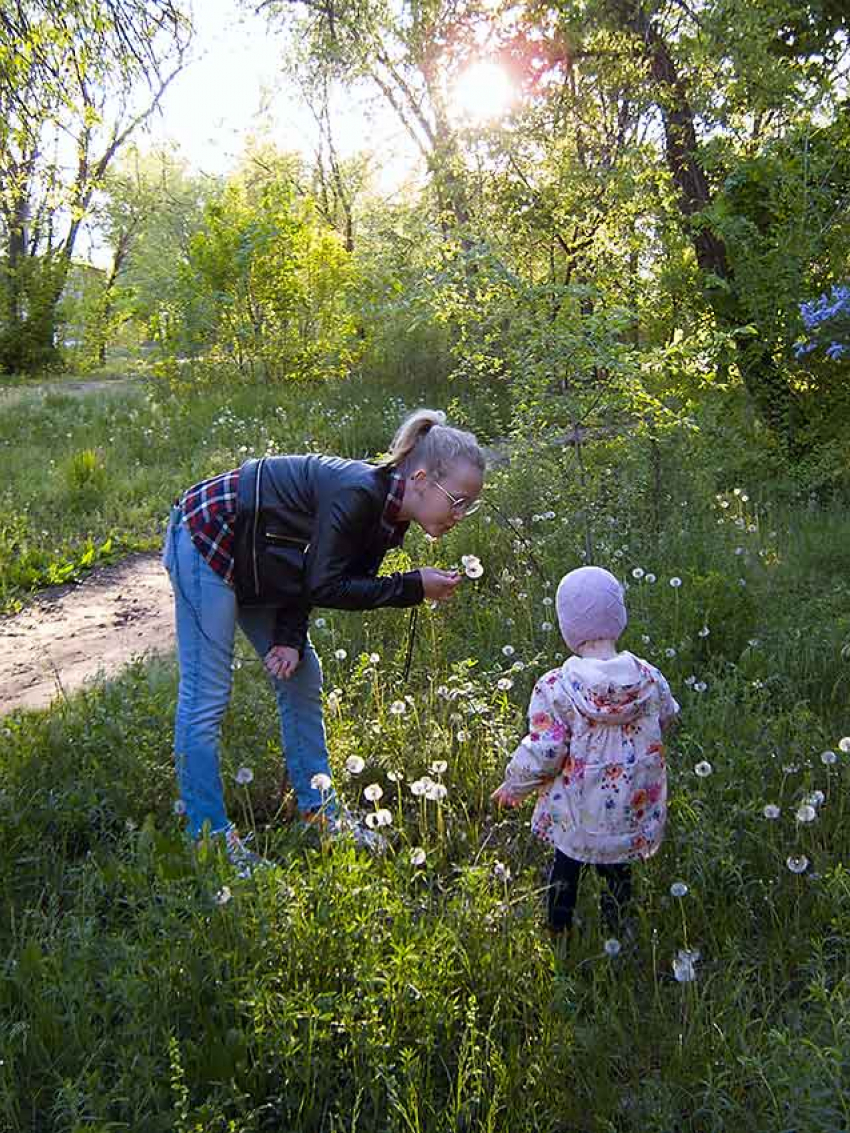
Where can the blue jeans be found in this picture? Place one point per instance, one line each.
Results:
(206, 615)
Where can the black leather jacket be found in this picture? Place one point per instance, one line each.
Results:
(308, 533)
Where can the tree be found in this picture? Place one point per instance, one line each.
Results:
(77, 78)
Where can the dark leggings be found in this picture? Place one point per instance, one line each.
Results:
(563, 891)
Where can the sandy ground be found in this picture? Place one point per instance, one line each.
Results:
(71, 633)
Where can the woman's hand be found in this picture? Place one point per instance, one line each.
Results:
(439, 584)
(282, 661)
(502, 796)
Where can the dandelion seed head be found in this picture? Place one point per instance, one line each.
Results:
(612, 947)
(816, 798)
(703, 769)
(844, 745)
(418, 787)
(374, 658)
(704, 632)
(806, 813)
(797, 864)
(398, 708)
(508, 650)
(678, 889)
(501, 871)
(372, 821)
(395, 776)
(669, 651)
(179, 807)
(223, 895)
(417, 856)
(473, 568)
(373, 792)
(638, 572)
(355, 764)
(700, 686)
(435, 792)
(771, 811)
(384, 817)
(504, 684)
(675, 582)
(321, 782)
(320, 623)
(340, 654)
(438, 767)
(650, 577)
(828, 758)
(546, 627)
(244, 776)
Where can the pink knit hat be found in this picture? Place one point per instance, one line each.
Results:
(590, 605)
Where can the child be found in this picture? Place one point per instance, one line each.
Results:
(594, 752)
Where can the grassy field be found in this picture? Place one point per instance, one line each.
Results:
(145, 988)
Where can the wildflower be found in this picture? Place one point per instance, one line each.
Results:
(244, 776)
(373, 792)
(321, 782)
(690, 681)
(844, 745)
(684, 966)
(372, 821)
(638, 572)
(223, 895)
(384, 817)
(704, 632)
(650, 578)
(418, 787)
(505, 684)
(462, 737)
(798, 864)
(508, 650)
(179, 807)
(612, 947)
(645, 638)
(547, 601)
(417, 856)
(501, 872)
(472, 566)
(678, 889)
(374, 658)
(700, 686)
(675, 582)
(398, 708)
(517, 666)
(438, 767)
(340, 654)
(442, 691)
(436, 792)
(828, 758)
(355, 764)
(395, 776)
(546, 626)
(806, 813)
(703, 769)
(320, 623)
(771, 811)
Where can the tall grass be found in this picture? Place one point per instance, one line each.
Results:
(144, 987)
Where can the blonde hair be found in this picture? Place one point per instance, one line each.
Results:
(424, 440)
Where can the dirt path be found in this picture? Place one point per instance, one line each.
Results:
(70, 633)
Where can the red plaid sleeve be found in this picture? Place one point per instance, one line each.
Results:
(209, 509)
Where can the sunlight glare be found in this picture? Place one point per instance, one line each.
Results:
(482, 91)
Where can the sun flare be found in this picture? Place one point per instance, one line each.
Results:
(482, 91)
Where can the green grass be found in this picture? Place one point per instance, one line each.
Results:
(338, 992)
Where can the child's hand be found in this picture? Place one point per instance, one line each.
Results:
(502, 796)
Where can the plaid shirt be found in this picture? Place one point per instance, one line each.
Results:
(209, 509)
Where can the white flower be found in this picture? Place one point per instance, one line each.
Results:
(436, 792)
(472, 567)
(844, 745)
(704, 632)
(438, 767)
(645, 638)
(395, 776)
(806, 813)
(374, 658)
(678, 889)
(321, 782)
(650, 577)
(384, 817)
(816, 798)
(638, 572)
(828, 757)
(798, 864)
(443, 691)
(462, 737)
(354, 764)
(669, 651)
(517, 666)
(417, 856)
(418, 787)
(398, 708)
(771, 811)
(340, 654)
(508, 650)
(504, 684)
(547, 601)
(700, 686)
(223, 895)
(546, 626)
(675, 582)
(612, 947)
(179, 807)
(320, 623)
(703, 769)
(373, 792)
(244, 776)
(372, 821)
(501, 871)
(683, 967)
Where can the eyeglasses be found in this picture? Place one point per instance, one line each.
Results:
(461, 506)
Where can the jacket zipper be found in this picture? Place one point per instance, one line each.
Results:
(256, 522)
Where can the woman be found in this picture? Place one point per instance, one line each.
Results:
(261, 546)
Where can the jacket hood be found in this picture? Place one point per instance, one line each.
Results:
(613, 691)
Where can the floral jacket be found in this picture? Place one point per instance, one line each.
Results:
(594, 754)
